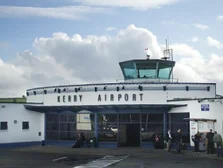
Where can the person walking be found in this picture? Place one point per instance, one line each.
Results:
(210, 143)
(178, 140)
(217, 139)
(169, 140)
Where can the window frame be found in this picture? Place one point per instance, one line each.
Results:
(4, 128)
(23, 126)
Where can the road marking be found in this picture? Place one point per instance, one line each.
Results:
(59, 158)
(103, 162)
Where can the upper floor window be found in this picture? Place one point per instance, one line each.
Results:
(25, 125)
(3, 125)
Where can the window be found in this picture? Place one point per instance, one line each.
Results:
(3, 125)
(131, 118)
(25, 125)
(129, 70)
(147, 73)
(151, 124)
(107, 127)
(164, 73)
(52, 117)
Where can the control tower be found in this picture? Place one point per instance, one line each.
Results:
(153, 70)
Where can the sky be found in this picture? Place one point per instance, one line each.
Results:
(53, 42)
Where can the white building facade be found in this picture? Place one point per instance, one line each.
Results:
(126, 113)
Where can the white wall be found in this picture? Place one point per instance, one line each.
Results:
(15, 133)
(194, 108)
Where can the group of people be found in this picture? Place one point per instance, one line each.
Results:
(82, 141)
(178, 140)
(213, 139)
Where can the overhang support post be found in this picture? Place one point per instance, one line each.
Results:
(164, 124)
(96, 125)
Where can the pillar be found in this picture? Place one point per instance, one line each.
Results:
(96, 125)
(164, 123)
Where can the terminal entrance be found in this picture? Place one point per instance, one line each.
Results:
(129, 135)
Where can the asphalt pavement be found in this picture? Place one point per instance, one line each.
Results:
(66, 157)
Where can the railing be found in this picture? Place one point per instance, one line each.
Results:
(148, 80)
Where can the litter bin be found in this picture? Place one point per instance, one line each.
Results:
(92, 142)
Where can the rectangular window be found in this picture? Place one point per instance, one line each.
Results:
(25, 125)
(3, 125)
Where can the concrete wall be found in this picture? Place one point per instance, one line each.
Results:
(15, 133)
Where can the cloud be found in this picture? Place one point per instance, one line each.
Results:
(201, 26)
(63, 59)
(185, 50)
(29, 70)
(194, 39)
(214, 43)
(220, 18)
(110, 28)
(67, 12)
(139, 4)
(99, 52)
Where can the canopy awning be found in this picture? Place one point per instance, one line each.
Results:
(117, 108)
(200, 119)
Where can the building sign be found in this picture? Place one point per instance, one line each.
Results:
(119, 97)
(205, 107)
(193, 127)
(101, 97)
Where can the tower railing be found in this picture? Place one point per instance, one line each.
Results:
(148, 80)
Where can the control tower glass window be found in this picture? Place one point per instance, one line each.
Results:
(129, 70)
(146, 70)
(151, 69)
(164, 73)
(147, 73)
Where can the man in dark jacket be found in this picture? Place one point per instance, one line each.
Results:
(209, 138)
(178, 140)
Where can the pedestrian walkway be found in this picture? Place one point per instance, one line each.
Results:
(202, 155)
(103, 162)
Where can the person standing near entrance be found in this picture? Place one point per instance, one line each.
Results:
(169, 140)
(210, 143)
(218, 140)
(178, 140)
(197, 138)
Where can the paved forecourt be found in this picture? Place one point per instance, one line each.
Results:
(66, 157)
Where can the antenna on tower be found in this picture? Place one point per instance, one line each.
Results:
(168, 53)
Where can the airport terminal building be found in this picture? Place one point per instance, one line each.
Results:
(118, 114)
